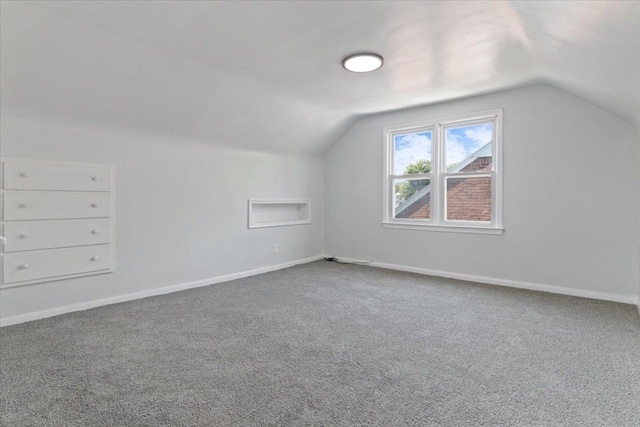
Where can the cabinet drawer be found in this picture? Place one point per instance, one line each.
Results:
(30, 235)
(51, 176)
(27, 205)
(24, 266)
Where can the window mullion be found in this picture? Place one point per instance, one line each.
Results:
(466, 174)
(389, 206)
(436, 168)
(413, 176)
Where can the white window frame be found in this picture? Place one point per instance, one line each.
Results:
(438, 175)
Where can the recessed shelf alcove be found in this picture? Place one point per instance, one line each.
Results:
(276, 213)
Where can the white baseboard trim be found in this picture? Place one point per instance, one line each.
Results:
(27, 317)
(626, 299)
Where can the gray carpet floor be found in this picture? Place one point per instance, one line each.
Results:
(324, 344)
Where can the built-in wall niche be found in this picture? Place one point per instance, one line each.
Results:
(276, 213)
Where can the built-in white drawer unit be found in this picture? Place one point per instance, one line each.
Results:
(32, 265)
(26, 175)
(30, 205)
(31, 235)
(58, 220)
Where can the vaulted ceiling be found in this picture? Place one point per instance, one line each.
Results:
(267, 75)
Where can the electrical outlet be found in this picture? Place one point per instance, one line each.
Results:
(276, 248)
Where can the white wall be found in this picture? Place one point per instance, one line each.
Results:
(181, 209)
(571, 202)
(570, 197)
(637, 128)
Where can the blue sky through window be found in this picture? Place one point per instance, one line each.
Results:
(460, 143)
(409, 149)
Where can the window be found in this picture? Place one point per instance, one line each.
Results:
(445, 174)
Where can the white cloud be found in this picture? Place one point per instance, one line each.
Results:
(482, 134)
(463, 142)
(410, 149)
(460, 144)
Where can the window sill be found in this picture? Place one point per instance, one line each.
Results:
(446, 228)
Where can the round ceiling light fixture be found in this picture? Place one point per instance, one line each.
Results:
(362, 62)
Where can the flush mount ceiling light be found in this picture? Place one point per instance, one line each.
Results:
(362, 62)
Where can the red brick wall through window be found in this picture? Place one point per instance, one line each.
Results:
(468, 199)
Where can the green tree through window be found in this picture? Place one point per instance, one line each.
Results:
(406, 189)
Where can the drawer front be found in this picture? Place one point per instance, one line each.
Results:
(30, 235)
(24, 266)
(27, 205)
(50, 176)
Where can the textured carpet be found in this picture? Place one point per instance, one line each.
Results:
(329, 344)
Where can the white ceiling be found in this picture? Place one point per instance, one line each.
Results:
(267, 75)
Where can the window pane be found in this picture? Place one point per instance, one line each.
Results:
(412, 153)
(412, 198)
(468, 148)
(469, 199)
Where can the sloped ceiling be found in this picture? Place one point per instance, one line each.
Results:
(267, 75)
